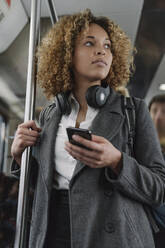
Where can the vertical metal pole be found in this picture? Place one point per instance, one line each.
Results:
(21, 223)
(52, 11)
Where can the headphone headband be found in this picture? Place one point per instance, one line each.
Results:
(96, 97)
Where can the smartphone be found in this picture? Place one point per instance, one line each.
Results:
(85, 133)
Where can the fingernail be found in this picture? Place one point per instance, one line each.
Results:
(75, 136)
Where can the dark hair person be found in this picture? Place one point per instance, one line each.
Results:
(157, 111)
(92, 196)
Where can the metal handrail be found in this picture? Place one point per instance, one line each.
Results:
(52, 11)
(21, 222)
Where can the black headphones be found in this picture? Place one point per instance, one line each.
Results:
(96, 97)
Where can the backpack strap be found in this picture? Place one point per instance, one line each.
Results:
(130, 114)
(129, 111)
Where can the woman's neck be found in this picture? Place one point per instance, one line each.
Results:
(80, 97)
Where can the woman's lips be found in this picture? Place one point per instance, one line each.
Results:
(99, 62)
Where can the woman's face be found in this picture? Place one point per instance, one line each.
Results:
(92, 56)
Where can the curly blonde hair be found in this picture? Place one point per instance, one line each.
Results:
(57, 48)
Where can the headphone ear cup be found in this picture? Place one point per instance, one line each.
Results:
(63, 103)
(97, 95)
(91, 96)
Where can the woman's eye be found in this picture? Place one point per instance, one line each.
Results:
(88, 43)
(107, 46)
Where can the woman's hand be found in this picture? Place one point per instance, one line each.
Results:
(102, 153)
(26, 135)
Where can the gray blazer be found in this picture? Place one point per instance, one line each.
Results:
(105, 211)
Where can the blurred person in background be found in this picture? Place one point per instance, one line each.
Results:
(157, 111)
(8, 209)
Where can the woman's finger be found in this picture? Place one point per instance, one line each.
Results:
(30, 124)
(83, 151)
(93, 162)
(27, 132)
(25, 138)
(98, 139)
(88, 143)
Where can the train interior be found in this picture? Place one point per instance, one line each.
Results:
(142, 20)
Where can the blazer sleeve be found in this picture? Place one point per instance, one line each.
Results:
(14, 167)
(142, 178)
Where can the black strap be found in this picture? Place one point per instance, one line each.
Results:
(129, 111)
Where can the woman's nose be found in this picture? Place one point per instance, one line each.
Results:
(100, 51)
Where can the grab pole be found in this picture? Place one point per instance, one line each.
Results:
(21, 222)
(52, 11)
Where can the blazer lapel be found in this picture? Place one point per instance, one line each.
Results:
(46, 148)
(107, 123)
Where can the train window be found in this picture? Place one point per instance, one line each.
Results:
(2, 141)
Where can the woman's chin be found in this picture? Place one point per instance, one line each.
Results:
(98, 77)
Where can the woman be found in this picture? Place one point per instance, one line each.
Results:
(93, 197)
